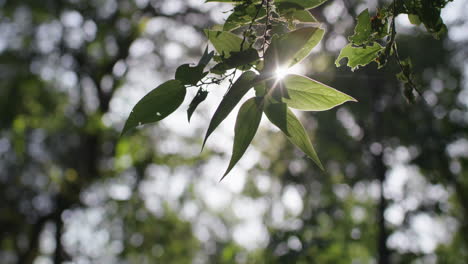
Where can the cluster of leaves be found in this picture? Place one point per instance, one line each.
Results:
(368, 43)
(258, 38)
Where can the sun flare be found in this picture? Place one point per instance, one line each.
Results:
(282, 71)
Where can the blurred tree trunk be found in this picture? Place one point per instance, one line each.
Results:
(378, 166)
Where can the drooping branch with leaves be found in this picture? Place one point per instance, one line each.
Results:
(260, 37)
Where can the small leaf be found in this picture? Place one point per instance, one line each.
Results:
(359, 56)
(206, 58)
(292, 47)
(363, 29)
(414, 19)
(156, 105)
(294, 130)
(310, 95)
(230, 100)
(199, 97)
(247, 122)
(225, 42)
(187, 74)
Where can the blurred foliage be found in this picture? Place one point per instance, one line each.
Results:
(72, 192)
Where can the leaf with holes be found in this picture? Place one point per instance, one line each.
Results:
(363, 29)
(359, 56)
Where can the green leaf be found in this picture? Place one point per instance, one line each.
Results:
(310, 95)
(243, 14)
(292, 47)
(225, 42)
(363, 29)
(303, 16)
(247, 122)
(230, 1)
(230, 100)
(295, 12)
(414, 19)
(206, 58)
(199, 97)
(293, 129)
(260, 89)
(236, 60)
(359, 56)
(304, 3)
(156, 105)
(187, 74)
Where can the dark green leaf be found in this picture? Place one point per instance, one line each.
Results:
(199, 97)
(206, 58)
(363, 29)
(310, 95)
(156, 105)
(230, 100)
(247, 122)
(236, 60)
(187, 74)
(359, 56)
(293, 129)
(260, 89)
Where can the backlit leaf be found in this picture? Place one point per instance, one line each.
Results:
(310, 95)
(359, 56)
(294, 130)
(225, 42)
(292, 47)
(292, 11)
